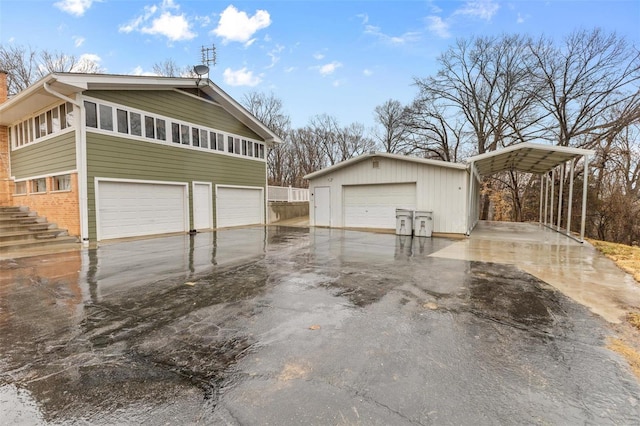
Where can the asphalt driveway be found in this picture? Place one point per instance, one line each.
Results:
(283, 325)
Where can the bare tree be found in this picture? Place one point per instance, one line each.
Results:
(270, 111)
(339, 143)
(170, 68)
(431, 133)
(590, 76)
(25, 65)
(60, 62)
(20, 63)
(393, 136)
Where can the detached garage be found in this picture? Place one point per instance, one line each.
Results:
(365, 192)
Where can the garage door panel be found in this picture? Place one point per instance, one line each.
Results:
(239, 206)
(374, 206)
(129, 209)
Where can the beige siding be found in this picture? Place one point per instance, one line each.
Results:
(57, 154)
(113, 157)
(439, 189)
(180, 106)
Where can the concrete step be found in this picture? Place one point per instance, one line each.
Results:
(37, 245)
(8, 209)
(8, 227)
(43, 234)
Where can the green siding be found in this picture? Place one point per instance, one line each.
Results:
(57, 154)
(180, 106)
(113, 157)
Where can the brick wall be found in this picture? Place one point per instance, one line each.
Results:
(61, 207)
(6, 184)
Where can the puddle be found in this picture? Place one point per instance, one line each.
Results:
(279, 325)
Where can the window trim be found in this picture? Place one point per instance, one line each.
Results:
(28, 130)
(183, 128)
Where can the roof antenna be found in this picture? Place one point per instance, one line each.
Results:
(208, 59)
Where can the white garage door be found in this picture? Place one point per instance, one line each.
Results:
(374, 206)
(239, 206)
(131, 209)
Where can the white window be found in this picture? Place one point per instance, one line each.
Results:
(61, 183)
(106, 117)
(91, 113)
(122, 118)
(136, 124)
(21, 188)
(39, 185)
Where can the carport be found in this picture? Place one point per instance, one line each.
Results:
(548, 162)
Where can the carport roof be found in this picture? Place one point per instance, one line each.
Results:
(360, 158)
(526, 157)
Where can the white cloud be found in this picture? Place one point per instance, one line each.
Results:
(86, 60)
(318, 56)
(364, 17)
(290, 69)
(241, 77)
(74, 7)
(436, 25)
(328, 69)
(78, 41)
(238, 26)
(404, 38)
(367, 72)
(204, 21)
(338, 83)
(159, 20)
(483, 9)
(174, 27)
(140, 71)
(274, 54)
(520, 19)
(433, 7)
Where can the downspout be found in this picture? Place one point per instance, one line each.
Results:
(81, 163)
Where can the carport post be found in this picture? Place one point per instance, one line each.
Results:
(553, 183)
(546, 197)
(570, 197)
(561, 187)
(585, 180)
(469, 214)
(541, 195)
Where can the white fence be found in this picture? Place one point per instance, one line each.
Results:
(287, 193)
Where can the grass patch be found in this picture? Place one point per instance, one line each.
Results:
(634, 319)
(630, 354)
(626, 257)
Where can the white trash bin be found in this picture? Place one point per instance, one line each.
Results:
(404, 219)
(423, 223)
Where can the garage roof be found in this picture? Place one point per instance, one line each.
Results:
(526, 157)
(68, 84)
(371, 155)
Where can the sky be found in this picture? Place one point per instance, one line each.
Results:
(340, 58)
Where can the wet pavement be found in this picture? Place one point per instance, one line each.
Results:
(284, 325)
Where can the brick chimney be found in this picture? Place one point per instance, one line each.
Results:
(4, 89)
(6, 184)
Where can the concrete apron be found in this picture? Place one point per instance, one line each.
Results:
(577, 270)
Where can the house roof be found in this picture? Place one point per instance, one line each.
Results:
(526, 157)
(372, 155)
(69, 84)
